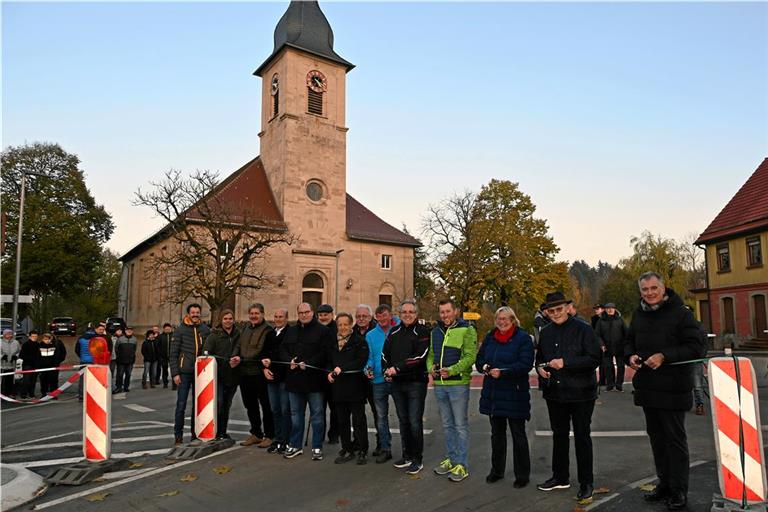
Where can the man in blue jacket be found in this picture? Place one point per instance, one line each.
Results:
(381, 388)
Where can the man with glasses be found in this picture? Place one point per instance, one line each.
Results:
(567, 357)
(404, 358)
(305, 346)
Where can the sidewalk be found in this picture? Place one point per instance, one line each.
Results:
(19, 485)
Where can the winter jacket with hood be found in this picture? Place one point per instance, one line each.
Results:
(223, 345)
(186, 345)
(453, 347)
(375, 339)
(125, 348)
(51, 354)
(82, 349)
(10, 353)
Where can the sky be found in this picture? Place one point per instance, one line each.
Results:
(614, 117)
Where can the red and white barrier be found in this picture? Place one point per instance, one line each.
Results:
(97, 413)
(205, 398)
(738, 439)
(50, 396)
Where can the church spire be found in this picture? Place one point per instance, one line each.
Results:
(305, 27)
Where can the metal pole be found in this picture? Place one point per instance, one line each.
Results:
(336, 303)
(15, 315)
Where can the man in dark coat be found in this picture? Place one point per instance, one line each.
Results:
(275, 375)
(567, 357)
(222, 343)
(664, 332)
(164, 354)
(611, 333)
(29, 355)
(364, 323)
(305, 346)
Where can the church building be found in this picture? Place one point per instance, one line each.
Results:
(345, 254)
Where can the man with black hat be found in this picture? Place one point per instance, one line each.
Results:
(566, 359)
(611, 332)
(325, 317)
(598, 309)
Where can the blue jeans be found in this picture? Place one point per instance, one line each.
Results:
(150, 368)
(298, 403)
(186, 386)
(281, 411)
(124, 376)
(224, 396)
(381, 394)
(453, 402)
(409, 398)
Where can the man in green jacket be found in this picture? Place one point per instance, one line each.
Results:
(452, 351)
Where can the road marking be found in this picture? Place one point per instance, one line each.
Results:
(117, 475)
(72, 460)
(600, 501)
(138, 408)
(397, 431)
(153, 424)
(157, 471)
(605, 433)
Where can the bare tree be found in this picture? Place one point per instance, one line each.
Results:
(219, 248)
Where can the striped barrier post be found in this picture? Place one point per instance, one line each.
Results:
(205, 398)
(738, 439)
(97, 413)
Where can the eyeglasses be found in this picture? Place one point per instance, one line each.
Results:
(309, 312)
(555, 310)
(408, 312)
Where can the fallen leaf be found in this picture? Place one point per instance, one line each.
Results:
(136, 465)
(189, 477)
(342, 502)
(221, 470)
(415, 477)
(647, 487)
(169, 493)
(97, 497)
(586, 501)
(601, 490)
(100, 479)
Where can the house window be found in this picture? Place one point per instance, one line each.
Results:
(314, 102)
(314, 191)
(275, 103)
(754, 252)
(729, 320)
(723, 258)
(385, 299)
(386, 261)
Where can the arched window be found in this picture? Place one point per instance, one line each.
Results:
(312, 287)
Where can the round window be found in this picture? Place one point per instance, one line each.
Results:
(314, 191)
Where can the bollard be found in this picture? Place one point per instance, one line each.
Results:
(205, 398)
(97, 413)
(738, 439)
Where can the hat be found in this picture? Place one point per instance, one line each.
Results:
(598, 306)
(555, 299)
(6, 331)
(325, 308)
(610, 305)
(128, 328)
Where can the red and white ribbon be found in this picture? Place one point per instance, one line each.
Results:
(38, 370)
(50, 396)
(97, 411)
(733, 391)
(205, 398)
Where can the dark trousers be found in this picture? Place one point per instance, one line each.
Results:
(614, 376)
(409, 398)
(561, 415)
(359, 423)
(333, 434)
(225, 393)
(186, 387)
(7, 384)
(162, 367)
(372, 405)
(253, 390)
(669, 443)
(521, 457)
(28, 383)
(601, 373)
(49, 381)
(123, 380)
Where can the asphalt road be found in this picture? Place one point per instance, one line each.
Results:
(44, 436)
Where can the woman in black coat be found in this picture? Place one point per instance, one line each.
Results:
(506, 358)
(347, 357)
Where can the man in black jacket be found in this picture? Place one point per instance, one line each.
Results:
(222, 344)
(664, 332)
(364, 322)
(275, 375)
(164, 354)
(29, 355)
(404, 360)
(611, 333)
(187, 344)
(567, 357)
(305, 346)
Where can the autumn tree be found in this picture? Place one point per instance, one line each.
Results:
(219, 247)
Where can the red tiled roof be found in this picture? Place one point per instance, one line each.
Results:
(363, 224)
(746, 211)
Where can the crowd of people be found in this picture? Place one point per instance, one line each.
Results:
(341, 363)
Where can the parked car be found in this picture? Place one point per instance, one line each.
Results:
(114, 323)
(63, 325)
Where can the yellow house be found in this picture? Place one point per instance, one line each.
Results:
(734, 303)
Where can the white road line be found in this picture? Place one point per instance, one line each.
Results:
(600, 501)
(72, 460)
(638, 483)
(157, 471)
(427, 431)
(153, 424)
(138, 408)
(117, 475)
(605, 433)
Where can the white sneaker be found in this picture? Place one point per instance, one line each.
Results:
(317, 454)
(292, 452)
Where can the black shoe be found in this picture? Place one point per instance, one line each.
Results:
(493, 477)
(553, 483)
(384, 456)
(519, 483)
(658, 494)
(273, 447)
(117, 390)
(376, 452)
(178, 441)
(165, 385)
(585, 492)
(677, 501)
(344, 456)
(362, 459)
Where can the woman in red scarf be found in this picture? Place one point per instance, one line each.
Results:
(506, 358)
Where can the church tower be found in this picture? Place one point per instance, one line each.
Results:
(303, 127)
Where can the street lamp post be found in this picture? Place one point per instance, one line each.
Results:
(336, 304)
(15, 316)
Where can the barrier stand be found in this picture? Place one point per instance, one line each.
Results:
(738, 439)
(205, 414)
(97, 432)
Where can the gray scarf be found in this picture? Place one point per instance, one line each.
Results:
(647, 307)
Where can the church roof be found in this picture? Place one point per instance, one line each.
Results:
(747, 211)
(363, 224)
(305, 27)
